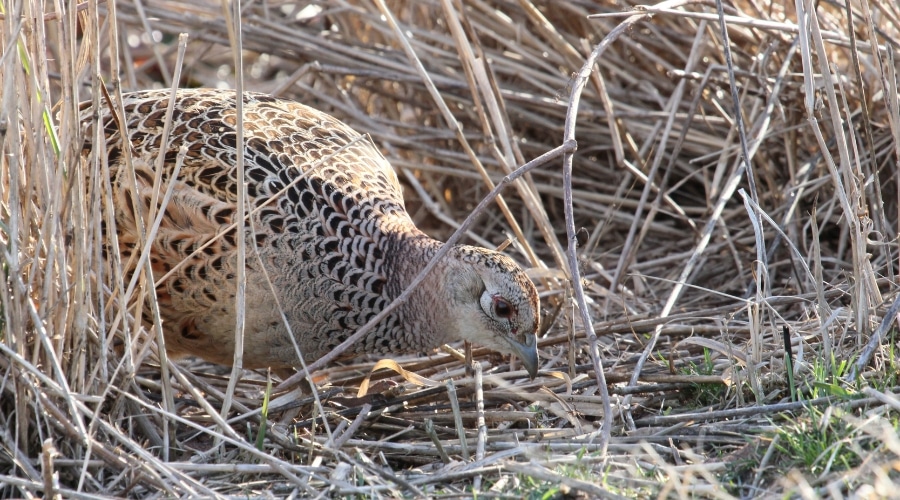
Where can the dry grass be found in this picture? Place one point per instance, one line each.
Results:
(695, 264)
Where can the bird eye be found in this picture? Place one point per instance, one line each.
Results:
(502, 308)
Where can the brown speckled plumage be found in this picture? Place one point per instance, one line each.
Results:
(337, 244)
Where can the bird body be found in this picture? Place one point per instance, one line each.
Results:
(329, 242)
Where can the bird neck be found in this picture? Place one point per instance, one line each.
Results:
(426, 310)
(410, 252)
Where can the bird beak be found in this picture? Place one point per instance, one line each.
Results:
(527, 352)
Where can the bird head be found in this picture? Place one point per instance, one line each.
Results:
(497, 305)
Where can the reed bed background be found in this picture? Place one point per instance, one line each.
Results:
(733, 241)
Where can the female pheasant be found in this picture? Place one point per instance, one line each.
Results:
(329, 240)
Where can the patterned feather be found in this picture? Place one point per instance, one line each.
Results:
(328, 229)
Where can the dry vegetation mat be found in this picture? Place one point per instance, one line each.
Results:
(717, 260)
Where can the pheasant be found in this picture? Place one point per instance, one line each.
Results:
(329, 242)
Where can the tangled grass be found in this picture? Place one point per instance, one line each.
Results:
(730, 222)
